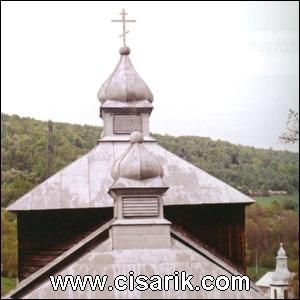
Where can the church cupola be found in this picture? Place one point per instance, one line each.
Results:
(124, 85)
(281, 275)
(137, 191)
(280, 285)
(137, 164)
(126, 100)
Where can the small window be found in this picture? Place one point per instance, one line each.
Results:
(275, 294)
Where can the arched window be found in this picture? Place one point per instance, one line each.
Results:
(286, 294)
(275, 294)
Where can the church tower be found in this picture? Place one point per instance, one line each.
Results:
(278, 284)
(280, 287)
(126, 100)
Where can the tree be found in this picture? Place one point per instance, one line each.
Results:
(9, 259)
(291, 135)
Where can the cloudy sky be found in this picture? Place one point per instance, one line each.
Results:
(228, 71)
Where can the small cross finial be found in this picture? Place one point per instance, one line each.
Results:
(123, 14)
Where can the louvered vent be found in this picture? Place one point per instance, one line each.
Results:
(140, 207)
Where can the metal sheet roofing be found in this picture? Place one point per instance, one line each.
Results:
(85, 182)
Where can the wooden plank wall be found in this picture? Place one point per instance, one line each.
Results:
(219, 227)
(44, 235)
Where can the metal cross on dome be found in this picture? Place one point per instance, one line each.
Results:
(123, 14)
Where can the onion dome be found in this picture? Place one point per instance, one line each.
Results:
(281, 275)
(137, 163)
(124, 84)
(281, 252)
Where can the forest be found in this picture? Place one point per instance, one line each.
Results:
(33, 150)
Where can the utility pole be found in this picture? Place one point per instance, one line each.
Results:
(50, 149)
(256, 264)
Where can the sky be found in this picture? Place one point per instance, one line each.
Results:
(224, 70)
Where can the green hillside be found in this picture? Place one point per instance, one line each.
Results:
(24, 157)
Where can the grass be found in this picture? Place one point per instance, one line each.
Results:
(280, 199)
(7, 284)
(261, 271)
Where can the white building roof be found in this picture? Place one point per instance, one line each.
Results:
(265, 280)
(85, 182)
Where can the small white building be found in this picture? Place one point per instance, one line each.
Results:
(277, 284)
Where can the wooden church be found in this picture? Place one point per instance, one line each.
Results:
(129, 205)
